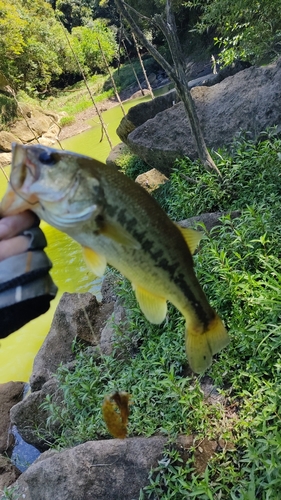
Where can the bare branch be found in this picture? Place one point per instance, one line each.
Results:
(177, 75)
(143, 40)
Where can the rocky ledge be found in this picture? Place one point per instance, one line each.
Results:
(35, 126)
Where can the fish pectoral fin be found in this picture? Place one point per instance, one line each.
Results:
(191, 237)
(116, 232)
(153, 307)
(200, 347)
(95, 261)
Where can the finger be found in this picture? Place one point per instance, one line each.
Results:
(13, 224)
(13, 246)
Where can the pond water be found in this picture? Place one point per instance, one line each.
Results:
(69, 272)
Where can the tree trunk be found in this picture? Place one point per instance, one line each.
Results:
(112, 79)
(142, 67)
(176, 74)
(133, 69)
(103, 127)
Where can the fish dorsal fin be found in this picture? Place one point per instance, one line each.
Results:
(153, 307)
(191, 237)
(116, 232)
(95, 261)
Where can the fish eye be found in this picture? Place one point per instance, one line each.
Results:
(48, 158)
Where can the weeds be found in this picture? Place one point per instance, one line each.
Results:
(131, 165)
(238, 265)
(8, 110)
(10, 493)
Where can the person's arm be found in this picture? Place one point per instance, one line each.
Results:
(26, 287)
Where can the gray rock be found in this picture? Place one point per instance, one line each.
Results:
(30, 418)
(207, 81)
(10, 394)
(75, 316)
(248, 101)
(8, 473)
(210, 220)
(140, 93)
(117, 320)
(112, 469)
(107, 288)
(139, 114)
(115, 154)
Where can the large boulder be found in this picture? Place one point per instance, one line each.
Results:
(34, 124)
(111, 469)
(117, 320)
(210, 220)
(139, 114)
(248, 101)
(75, 316)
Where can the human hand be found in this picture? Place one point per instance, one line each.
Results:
(10, 227)
(26, 287)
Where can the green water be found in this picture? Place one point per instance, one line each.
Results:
(17, 352)
(89, 142)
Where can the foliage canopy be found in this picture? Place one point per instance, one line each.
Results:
(34, 51)
(245, 29)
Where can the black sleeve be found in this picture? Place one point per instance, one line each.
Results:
(26, 288)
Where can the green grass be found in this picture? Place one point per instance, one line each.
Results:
(76, 98)
(239, 267)
(130, 164)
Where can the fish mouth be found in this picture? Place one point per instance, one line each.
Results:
(27, 191)
(14, 200)
(18, 196)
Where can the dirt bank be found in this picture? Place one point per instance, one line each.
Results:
(81, 122)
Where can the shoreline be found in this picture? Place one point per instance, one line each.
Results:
(80, 123)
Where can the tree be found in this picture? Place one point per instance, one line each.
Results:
(12, 44)
(33, 49)
(245, 29)
(34, 52)
(73, 13)
(85, 41)
(177, 74)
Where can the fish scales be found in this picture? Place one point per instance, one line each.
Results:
(167, 250)
(117, 222)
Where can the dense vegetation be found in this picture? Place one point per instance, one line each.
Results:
(238, 266)
(36, 36)
(35, 49)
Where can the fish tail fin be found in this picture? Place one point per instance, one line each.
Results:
(200, 347)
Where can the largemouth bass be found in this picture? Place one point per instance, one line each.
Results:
(117, 222)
